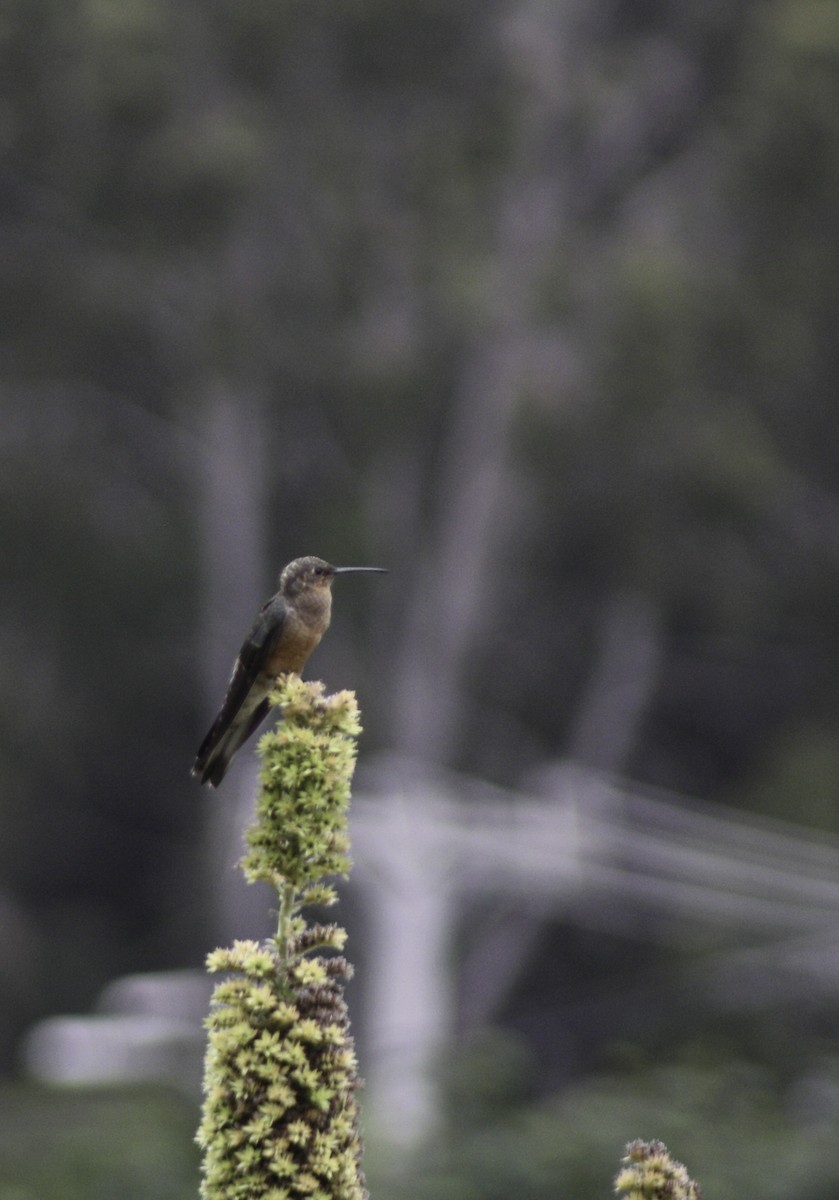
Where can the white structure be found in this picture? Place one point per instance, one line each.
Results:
(578, 845)
(658, 866)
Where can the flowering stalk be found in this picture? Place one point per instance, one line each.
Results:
(280, 1114)
(650, 1173)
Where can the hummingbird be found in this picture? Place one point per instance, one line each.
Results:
(284, 634)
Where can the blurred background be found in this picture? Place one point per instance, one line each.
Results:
(534, 304)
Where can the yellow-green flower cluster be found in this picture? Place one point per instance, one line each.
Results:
(651, 1174)
(300, 834)
(280, 1118)
(280, 1115)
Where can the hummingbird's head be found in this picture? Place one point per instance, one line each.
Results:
(303, 574)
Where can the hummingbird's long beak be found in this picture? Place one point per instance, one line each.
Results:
(349, 570)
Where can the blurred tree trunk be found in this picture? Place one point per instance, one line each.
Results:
(458, 573)
(628, 657)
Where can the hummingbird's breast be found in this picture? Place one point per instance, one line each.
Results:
(304, 624)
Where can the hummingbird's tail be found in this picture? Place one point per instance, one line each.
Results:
(216, 752)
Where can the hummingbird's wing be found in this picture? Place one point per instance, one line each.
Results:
(245, 704)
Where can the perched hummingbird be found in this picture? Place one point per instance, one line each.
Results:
(284, 635)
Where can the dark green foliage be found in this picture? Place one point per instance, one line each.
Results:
(741, 1130)
(95, 1144)
(322, 210)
